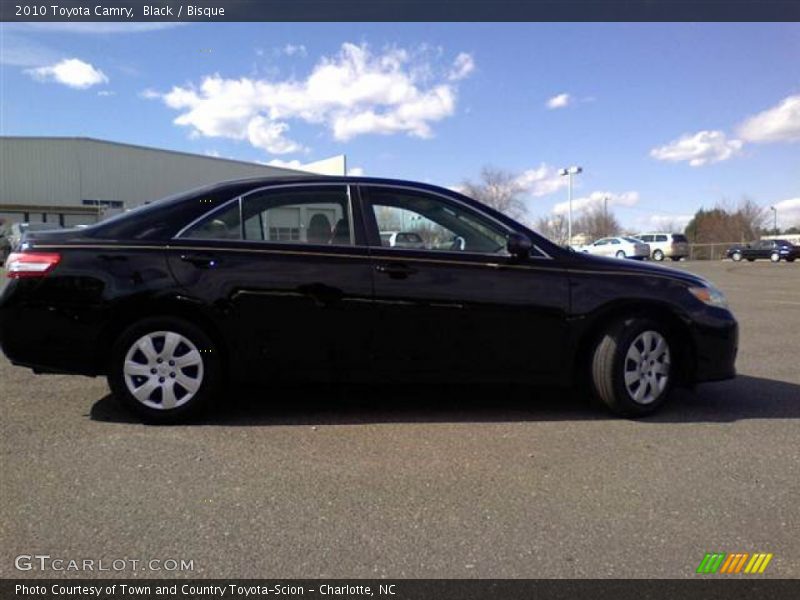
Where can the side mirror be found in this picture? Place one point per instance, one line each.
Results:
(519, 245)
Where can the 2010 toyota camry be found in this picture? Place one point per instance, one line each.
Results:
(259, 281)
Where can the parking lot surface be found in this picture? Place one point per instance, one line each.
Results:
(439, 482)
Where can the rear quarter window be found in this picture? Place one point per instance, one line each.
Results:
(678, 237)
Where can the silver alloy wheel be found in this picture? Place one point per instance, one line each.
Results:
(621, 254)
(647, 367)
(163, 370)
(775, 257)
(737, 256)
(658, 255)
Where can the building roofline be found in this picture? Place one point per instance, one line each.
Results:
(66, 138)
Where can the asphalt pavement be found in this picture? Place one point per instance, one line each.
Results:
(442, 482)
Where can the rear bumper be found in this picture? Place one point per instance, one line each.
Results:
(47, 338)
(716, 342)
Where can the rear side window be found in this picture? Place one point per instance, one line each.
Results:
(679, 237)
(646, 238)
(222, 224)
(661, 238)
(307, 215)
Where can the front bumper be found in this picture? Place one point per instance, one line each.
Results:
(716, 343)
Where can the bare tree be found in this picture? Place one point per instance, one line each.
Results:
(499, 189)
(724, 223)
(553, 227)
(597, 222)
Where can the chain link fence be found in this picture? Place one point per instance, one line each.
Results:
(714, 251)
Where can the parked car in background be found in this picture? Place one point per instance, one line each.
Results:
(402, 239)
(774, 250)
(179, 301)
(619, 247)
(18, 231)
(666, 245)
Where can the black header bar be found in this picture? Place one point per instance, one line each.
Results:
(400, 10)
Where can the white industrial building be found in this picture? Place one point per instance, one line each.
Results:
(69, 181)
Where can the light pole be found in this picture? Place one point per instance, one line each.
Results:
(569, 172)
(774, 220)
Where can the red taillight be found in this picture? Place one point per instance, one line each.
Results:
(31, 264)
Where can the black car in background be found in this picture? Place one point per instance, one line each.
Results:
(259, 281)
(774, 250)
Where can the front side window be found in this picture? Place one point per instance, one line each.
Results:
(415, 220)
(303, 215)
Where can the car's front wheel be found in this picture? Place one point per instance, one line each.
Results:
(737, 256)
(164, 369)
(775, 257)
(621, 254)
(658, 255)
(631, 368)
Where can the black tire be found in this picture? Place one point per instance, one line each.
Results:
(610, 361)
(658, 255)
(675, 258)
(789, 260)
(775, 257)
(206, 374)
(621, 254)
(750, 259)
(736, 256)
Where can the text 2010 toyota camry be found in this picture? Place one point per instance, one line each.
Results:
(264, 280)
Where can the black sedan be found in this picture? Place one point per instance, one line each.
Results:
(774, 250)
(259, 281)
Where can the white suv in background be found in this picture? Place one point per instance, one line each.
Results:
(662, 245)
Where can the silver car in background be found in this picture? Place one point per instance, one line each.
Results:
(619, 247)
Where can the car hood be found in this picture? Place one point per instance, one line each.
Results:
(606, 264)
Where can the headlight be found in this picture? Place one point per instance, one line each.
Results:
(709, 295)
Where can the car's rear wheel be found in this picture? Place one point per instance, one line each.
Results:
(658, 255)
(631, 368)
(164, 369)
(775, 257)
(737, 256)
(621, 254)
(675, 258)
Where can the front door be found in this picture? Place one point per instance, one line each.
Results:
(460, 304)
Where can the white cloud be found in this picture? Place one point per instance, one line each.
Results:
(463, 66)
(780, 123)
(702, 148)
(541, 181)
(788, 213)
(149, 94)
(355, 92)
(355, 171)
(294, 50)
(596, 199)
(71, 72)
(285, 164)
(559, 101)
(106, 93)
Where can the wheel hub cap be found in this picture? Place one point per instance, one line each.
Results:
(647, 367)
(163, 370)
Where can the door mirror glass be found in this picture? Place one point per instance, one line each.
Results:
(519, 245)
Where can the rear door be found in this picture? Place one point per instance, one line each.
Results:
(461, 304)
(288, 276)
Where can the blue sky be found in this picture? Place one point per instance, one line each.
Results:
(664, 118)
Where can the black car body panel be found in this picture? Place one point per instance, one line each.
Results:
(335, 312)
